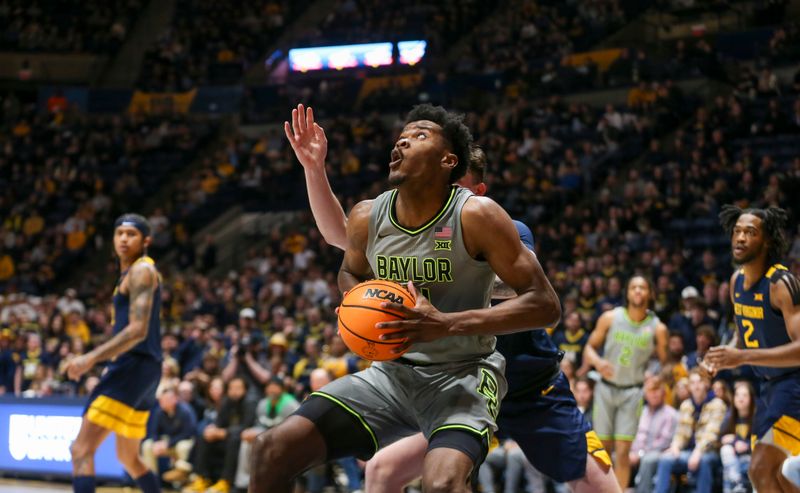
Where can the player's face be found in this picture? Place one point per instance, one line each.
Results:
(638, 292)
(419, 152)
(128, 242)
(747, 241)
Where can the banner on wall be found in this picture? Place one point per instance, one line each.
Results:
(35, 436)
(161, 103)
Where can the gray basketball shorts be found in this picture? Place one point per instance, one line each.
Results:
(395, 399)
(615, 415)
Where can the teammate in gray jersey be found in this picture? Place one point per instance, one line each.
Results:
(628, 337)
(450, 382)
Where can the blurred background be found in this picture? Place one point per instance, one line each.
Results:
(615, 129)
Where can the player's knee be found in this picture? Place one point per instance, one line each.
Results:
(444, 482)
(380, 471)
(268, 449)
(80, 451)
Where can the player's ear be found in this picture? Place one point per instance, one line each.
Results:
(449, 161)
(480, 189)
(146, 242)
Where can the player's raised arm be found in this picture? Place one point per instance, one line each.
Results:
(355, 266)
(142, 286)
(785, 296)
(310, 146)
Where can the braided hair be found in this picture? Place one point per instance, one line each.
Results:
(773, 223)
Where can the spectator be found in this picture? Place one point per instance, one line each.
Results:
(247, 358)
(571, 339)
(656, 426)
(584, 393)
(8, 362)
(172, 430)
(270, 411)
(188, 396)
(694, 445)
(31, 364)
(705, 338)
(737, 431)
(221, 440)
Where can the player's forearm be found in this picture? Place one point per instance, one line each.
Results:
(327, 210)
(347, 280)
(590, 356)
(125, 340)
(528, 311)
(783, 356)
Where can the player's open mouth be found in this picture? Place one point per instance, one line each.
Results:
(397, 157)
(738, 249)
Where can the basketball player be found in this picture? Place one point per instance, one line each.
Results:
(432, 234)
(766, 301)
(122, 401)
(549, 427)
(628, 336)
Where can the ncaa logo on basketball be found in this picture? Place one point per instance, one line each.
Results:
(369, 350)
(382, 294)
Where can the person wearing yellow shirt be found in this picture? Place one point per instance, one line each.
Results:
(7, 268)
(33, 225)
(77, 327)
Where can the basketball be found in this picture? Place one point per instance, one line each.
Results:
(361, 310)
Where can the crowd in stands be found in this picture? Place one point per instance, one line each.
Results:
(363, 21)
(67, 26)
(241, 351)
(63, 174)
(211, 42)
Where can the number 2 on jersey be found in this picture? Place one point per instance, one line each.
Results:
(751, 343)
(625, 356)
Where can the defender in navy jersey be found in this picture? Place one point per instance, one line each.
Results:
(122, 401)
(766, 301)
(539, 410)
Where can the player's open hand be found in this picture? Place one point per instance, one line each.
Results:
(77, 366)
(307, 139)
(723, 357)
(423, 323)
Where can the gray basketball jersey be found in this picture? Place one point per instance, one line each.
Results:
(629, 346)
(435, 259)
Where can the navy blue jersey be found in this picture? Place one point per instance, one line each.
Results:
(532, 359)
(151, 345)
(760, 325)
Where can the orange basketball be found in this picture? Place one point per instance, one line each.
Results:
(361, 310)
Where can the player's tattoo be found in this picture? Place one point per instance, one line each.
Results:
(141, 287)
(792, 284)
